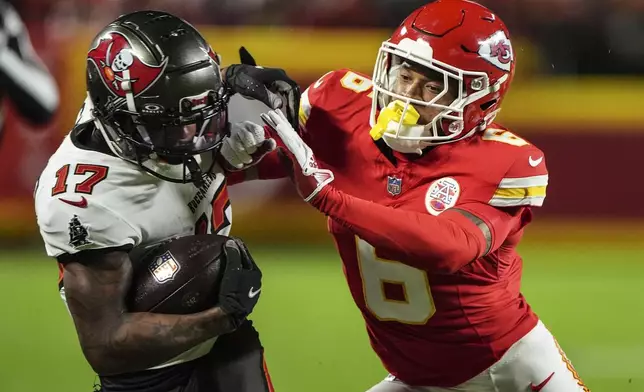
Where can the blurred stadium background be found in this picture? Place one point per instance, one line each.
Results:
(578, 95)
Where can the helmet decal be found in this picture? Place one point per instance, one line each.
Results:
(497, 50)
(213, 55)
(117, 63)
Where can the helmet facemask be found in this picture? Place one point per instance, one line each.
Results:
(395, 115)
(166, 144)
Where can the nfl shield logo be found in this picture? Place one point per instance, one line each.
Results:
(394, 185)
(164, 267)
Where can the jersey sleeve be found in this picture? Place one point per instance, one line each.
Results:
(525, 182)
(68, 229)
(522, 186)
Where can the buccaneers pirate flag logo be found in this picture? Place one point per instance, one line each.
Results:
(117, 63)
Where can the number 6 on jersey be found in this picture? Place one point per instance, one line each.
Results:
(414, 304)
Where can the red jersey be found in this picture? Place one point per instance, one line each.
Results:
(429, 327)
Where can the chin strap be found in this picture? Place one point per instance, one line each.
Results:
(196, 175)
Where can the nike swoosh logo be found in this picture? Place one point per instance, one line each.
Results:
(537, 388)
(534, 162)
(253, 294)
(82, 203)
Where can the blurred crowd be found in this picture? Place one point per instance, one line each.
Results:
(571, 36)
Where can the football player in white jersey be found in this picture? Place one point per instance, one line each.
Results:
(140, 167)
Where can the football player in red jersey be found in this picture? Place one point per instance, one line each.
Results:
(427, 199)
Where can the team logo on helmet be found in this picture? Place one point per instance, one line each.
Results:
(117, 62)
(497, 49)
(214, 56)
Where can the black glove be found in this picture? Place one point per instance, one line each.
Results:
(241, 284)
(269, 85)
(245, 57)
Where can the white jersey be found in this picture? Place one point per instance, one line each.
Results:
(87, 199)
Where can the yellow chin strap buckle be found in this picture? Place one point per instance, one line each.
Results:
(392, 112)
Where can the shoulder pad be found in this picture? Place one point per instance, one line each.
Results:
(333, 90)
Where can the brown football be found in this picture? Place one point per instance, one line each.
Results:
(180, 276)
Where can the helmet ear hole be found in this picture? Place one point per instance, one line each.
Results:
(486, 105)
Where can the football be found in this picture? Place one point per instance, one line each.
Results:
(179, 276)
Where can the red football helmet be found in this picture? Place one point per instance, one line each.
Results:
(465, 43)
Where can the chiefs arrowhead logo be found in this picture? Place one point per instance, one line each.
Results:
(117, 63)
(497, 49)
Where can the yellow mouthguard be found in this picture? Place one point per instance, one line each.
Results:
(392, 112)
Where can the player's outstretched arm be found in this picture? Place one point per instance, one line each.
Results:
(115, 341)
(443, 243)
(270, 167)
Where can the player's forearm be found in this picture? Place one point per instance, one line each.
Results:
(269, 168)
(97, 283)
(434, 243)
(142, 340)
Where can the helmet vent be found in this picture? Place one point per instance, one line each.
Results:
(173, 34)
(157, 18)
(485, 106)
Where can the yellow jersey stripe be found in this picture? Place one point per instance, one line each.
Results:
(514, 193)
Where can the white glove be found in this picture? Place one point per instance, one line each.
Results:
(246, 145)
(311, 179)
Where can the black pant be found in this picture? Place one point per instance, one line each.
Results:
(235, 364)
